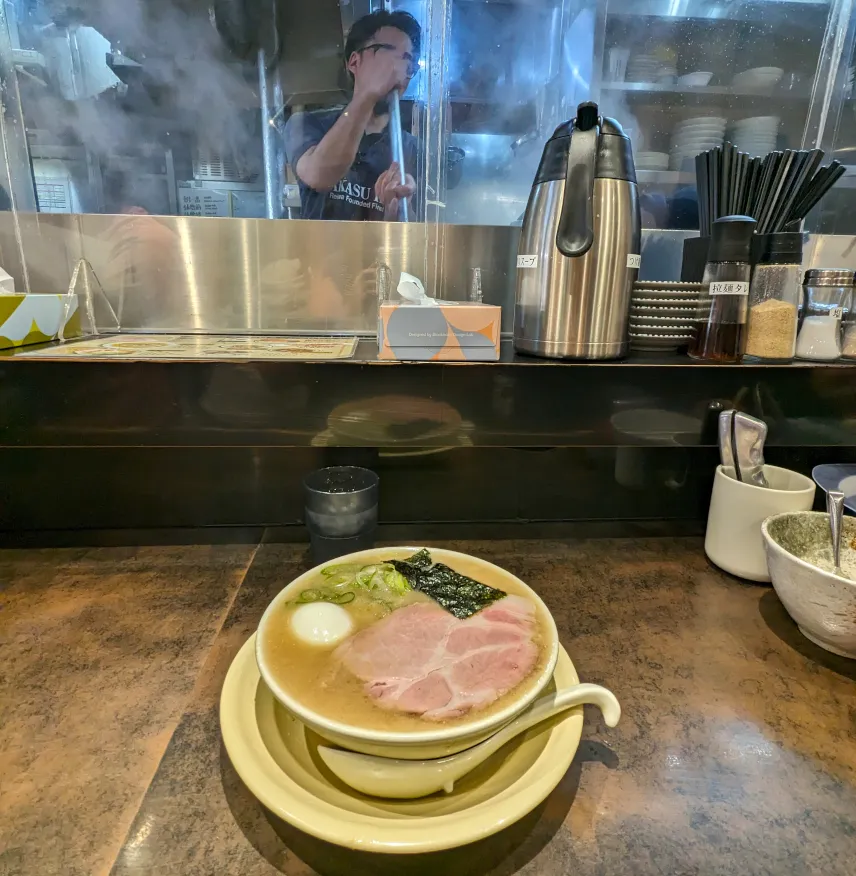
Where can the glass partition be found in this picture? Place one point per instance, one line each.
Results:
(686, 76)
(206, 107)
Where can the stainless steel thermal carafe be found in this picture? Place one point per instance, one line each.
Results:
(580, 242)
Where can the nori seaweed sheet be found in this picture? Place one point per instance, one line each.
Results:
(458, 594)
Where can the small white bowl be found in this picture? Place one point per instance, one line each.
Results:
(763, 71)
(759, 77)
(695, 80)
(822, 604)
(422, 743)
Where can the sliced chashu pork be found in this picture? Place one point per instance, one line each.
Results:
(422, 660)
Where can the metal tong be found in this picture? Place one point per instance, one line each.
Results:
(741, 447)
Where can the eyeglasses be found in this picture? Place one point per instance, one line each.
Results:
(412, 63)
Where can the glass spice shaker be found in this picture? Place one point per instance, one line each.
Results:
(775, 294)
(848, 341)
(720, 334)
(826, 294)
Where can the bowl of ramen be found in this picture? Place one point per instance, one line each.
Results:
(406, 652)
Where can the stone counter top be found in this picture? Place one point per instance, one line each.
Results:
(735, 753)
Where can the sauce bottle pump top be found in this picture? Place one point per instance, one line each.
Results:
(731, 239)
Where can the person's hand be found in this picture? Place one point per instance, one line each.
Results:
(377, 73)
(390, 190)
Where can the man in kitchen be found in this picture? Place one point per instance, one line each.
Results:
(343, 157)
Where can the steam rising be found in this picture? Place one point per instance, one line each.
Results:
(187, 90)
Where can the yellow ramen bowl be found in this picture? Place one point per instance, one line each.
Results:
(431, 742)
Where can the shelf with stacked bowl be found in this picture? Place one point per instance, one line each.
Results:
(705, 95)
(663, 315)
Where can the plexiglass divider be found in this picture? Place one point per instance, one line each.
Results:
(115, 135)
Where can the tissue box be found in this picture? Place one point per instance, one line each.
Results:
(452, 331)
(34, 319)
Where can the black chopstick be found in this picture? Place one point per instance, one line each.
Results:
(754, 177)
(701, 191)
(742, 167)
(833, 173)
(810, 188)
(715, 164)
(808, 165)
(774, 159)
(776, 188)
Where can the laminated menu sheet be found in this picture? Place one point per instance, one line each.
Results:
(198, 347)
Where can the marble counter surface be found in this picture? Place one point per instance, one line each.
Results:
(736, 752)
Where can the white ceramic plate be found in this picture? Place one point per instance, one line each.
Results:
(721, 120)
(695, 143)
(684, 143)
(669, 323)
(662, 298)
(700, 126)
(684, 331)
(672, 285)
(275, 756)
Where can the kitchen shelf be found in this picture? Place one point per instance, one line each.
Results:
(680, 178)
(650, 92)
(704, 10)
(665, 177)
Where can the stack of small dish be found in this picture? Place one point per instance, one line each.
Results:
(280, 746)
(693, 136)
(758, 78)
(663, 315)
(652, 161)
(756, 135)
(697, 79)
(648, 68)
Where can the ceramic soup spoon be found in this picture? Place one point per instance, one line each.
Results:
(407, 779)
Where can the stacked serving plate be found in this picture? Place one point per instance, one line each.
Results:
(756, 135)
(663, 315)
(652, 161)
(758, 78)
(693, 136)
(643, 68)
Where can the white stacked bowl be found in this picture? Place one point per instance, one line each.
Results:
(758, 78)
(652, 160)
(756, 135)
(693, 136)
(663, 315)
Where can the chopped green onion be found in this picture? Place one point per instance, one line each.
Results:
(395, 581)
(342, 568)
(310, 596)
(325, 595)
(340, 579)
(365, 577)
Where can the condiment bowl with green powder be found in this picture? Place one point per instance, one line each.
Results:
(799, 557)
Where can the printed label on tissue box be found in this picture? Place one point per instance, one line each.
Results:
(527, 261)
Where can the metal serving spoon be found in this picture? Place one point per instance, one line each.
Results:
(835, 509)
(406, 779)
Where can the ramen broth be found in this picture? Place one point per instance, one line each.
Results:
(317, 679)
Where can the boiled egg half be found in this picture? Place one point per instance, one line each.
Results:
(321, 623)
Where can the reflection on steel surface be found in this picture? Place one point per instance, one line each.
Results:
(184, 273)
